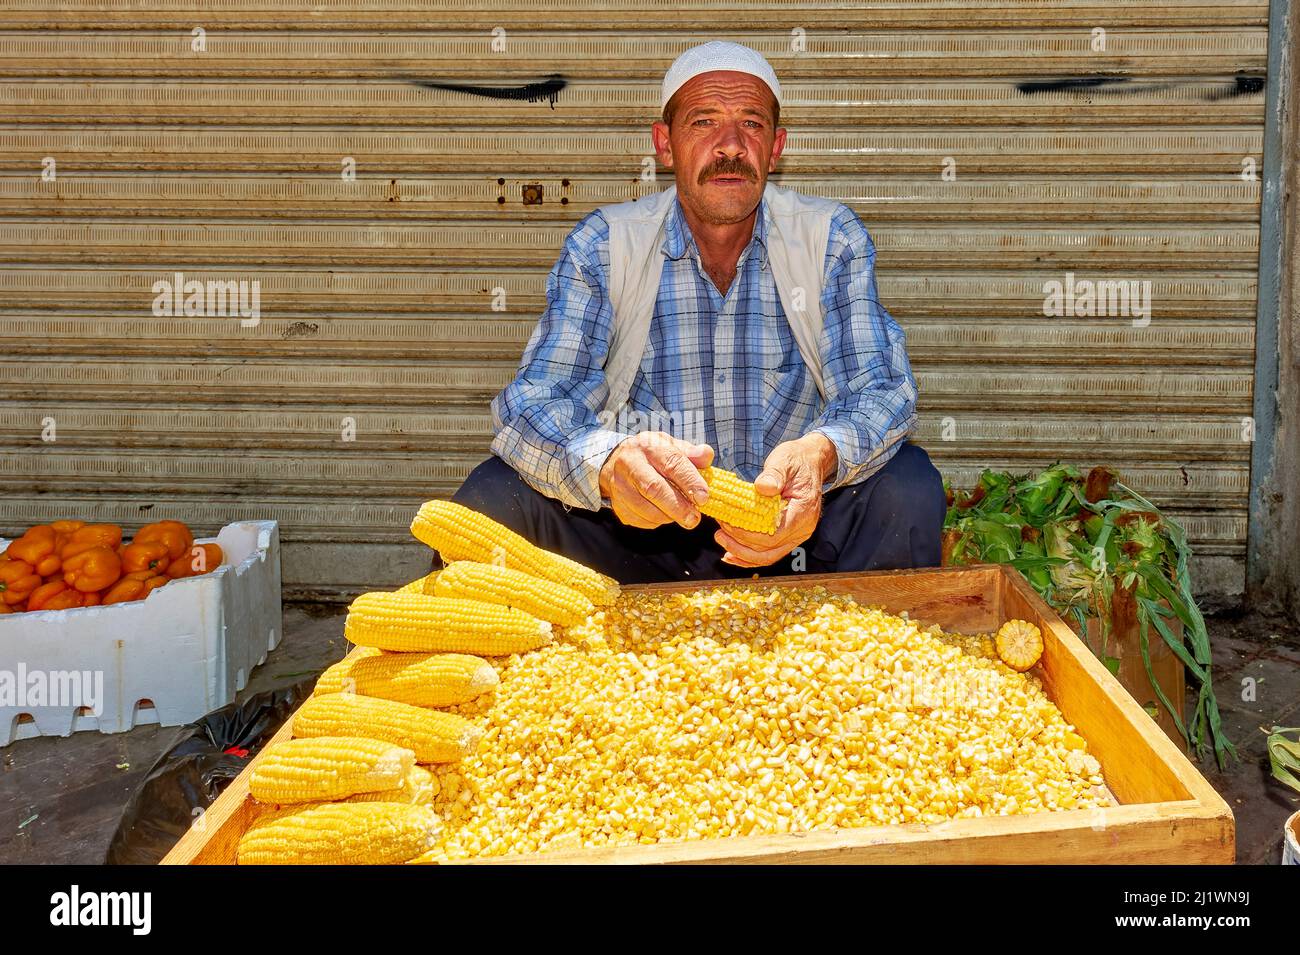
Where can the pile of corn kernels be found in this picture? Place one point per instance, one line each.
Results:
(752, 710)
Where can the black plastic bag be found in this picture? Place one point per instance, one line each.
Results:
(193, 773)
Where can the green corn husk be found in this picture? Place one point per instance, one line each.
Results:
(1284, 756)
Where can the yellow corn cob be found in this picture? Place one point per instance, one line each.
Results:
(1019, 644)
(435, 737)
(348, 833)
(734, 501)
(414, 622)
(544, 599)
(421, 585)
(417, 789)
(421, 679)
(326, 768)
(459, 533)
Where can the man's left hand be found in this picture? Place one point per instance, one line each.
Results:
(796, 471)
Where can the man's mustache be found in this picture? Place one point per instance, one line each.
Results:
(724, 168)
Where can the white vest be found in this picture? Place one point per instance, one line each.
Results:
(797, 237)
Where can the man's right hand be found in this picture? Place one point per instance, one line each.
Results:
(653, 478)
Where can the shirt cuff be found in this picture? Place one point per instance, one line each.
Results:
(845, 439)
(588, 453)
(855, 463)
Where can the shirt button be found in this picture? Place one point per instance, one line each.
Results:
(722, 379)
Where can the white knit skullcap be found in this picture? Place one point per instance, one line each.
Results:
(718, 55)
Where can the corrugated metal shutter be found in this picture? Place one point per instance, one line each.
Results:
(377, 294)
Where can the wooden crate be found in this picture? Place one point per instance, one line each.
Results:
(1166, 812)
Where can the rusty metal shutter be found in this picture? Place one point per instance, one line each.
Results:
(377, 293)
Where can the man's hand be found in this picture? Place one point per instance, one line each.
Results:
(653, 478)
(795, 470)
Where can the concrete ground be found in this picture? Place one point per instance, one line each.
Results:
(60, 798)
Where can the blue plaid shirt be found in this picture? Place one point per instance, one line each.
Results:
(720, 370)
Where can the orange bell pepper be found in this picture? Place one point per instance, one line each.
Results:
(152, 556)
(5, 608)
(174, 534)
(64, 600)
(17, 581)
(44, 593)
(153, 583)
(92, 600)
(92, 569)
(35, 545)
(49, 565)
(62, 531)
(128, 588)
(201, 559)
(92, 535)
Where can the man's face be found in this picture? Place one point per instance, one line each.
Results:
(722, 145)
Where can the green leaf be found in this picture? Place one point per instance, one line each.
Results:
(1112, 664)
(1144, 645)
(1155, 613)
(1284, 756)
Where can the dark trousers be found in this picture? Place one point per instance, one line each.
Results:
(890, 521)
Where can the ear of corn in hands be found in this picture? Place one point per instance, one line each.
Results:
(327, 768)
(458, 533)
(544, 599)
(733, 500)
(434, 736)
(339, 833)
(421, 679)
(419, 623)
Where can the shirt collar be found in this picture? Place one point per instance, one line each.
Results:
(678, 239)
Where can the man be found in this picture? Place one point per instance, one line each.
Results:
(739, 311)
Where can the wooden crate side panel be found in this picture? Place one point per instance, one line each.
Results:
(964, 599)
(1182, 832)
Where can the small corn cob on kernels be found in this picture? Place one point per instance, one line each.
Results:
(1019, 644)
(421, 585)
(417, 623)
(344, 833)
(327, 768)
(544, 599)
(459, 533)
(733, 500)
(434, 736)
(421, 679)
(417, 789)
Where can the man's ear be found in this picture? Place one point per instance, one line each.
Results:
(778, 145)
(663, 145)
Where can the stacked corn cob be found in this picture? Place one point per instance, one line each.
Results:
(353, 786)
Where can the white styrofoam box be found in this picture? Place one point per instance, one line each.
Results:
(188, 647)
